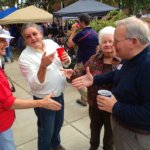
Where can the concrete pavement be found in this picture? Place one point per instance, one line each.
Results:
(75, 132)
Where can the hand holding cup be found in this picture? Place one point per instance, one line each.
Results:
(105, 100)
(63, 55)
(60, 52)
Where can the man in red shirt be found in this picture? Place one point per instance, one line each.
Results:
(8, 103)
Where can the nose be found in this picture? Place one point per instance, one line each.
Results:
(108, 43)
(32, 37)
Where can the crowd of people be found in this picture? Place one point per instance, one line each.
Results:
(115, 59)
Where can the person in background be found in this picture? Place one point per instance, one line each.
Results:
(8, 103)
(102, 62)
(40, 65)
(8, 48)
(20, 44)
(130, 103)
(87, 42)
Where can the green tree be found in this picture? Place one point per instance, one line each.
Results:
(7, 3)
(109, 20)
(45, 4)
(134, 6)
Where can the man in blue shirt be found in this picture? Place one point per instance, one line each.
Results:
(87, 42)
(130, 103)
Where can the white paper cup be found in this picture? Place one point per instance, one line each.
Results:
(104, 93)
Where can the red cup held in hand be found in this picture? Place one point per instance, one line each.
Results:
(77, 25)
(60, 52)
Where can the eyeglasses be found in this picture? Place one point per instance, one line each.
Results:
(116, 41)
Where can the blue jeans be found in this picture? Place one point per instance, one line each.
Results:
(49, 125)
(7, 140)
(8, 54)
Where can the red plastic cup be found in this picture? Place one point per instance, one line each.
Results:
(60, 52)
(77, 25)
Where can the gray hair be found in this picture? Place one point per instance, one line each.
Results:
(28, 25)
(136, 28)
(106, 30)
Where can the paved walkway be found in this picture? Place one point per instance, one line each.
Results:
(75, 132)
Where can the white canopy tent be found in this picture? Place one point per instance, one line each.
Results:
(27, 14)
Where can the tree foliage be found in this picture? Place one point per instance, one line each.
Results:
(45, 4)
(134, 6)
(7, 3)
(109, 20)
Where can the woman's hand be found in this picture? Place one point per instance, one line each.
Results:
(49, 103)
(47, 59)
(65, 58)
(67, 72)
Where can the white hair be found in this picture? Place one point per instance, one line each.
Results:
(106, 30)
(136, 28)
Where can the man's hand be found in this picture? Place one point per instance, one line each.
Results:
(83, 81)
(106, 103)
(74, 27)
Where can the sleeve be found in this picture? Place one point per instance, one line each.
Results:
(66, 65)
(77, 37)
(6, 97)
(29, 71)
(137, 115)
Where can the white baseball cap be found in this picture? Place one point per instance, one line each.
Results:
(4, 35)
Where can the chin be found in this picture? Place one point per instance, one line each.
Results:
(36, 46)
(108, 51)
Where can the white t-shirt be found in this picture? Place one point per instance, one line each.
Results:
(29, 62)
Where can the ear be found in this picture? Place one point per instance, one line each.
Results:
(134, 40)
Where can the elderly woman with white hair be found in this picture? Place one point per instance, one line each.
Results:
(103, 61)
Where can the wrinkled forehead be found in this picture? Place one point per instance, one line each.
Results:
(120, 31)
(31, 31)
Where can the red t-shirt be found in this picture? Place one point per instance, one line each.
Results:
(7, 115)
